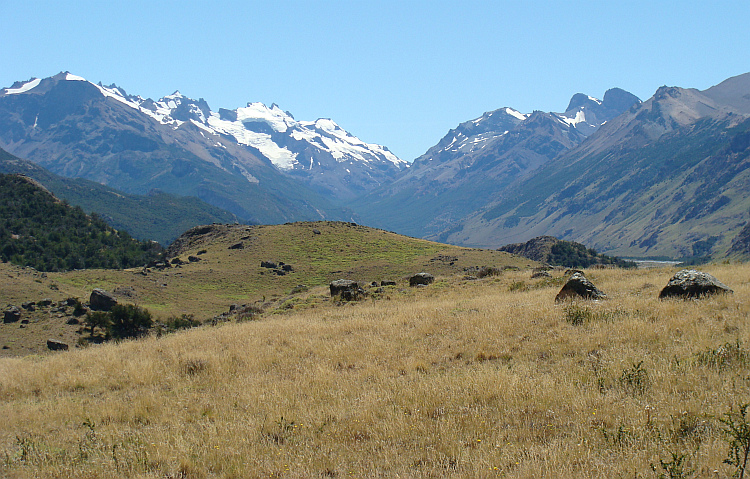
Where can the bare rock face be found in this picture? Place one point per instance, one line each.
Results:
(579, 287)
(690, 283)
(101, 300)
(421, 279)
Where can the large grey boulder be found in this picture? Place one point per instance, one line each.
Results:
(690, 283)
(101, 300)
(579, 287)
(421, 279)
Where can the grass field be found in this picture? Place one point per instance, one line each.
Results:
(463, 378)
(225, 276)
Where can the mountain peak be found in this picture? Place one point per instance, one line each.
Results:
(619, 99)
(581, 100)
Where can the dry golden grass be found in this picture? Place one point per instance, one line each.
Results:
(481, 378)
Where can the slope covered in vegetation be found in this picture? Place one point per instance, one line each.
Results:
(38, 230)
(550, 250)
(158, 216)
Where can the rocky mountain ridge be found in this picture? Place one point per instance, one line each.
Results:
(665, 178)
(479, 158)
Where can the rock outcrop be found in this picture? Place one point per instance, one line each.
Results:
(11, 315)
(579, 287)
(690, 283)
(421, 279)
(345, 289)
(101, 300)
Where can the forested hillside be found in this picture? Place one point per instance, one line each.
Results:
(38, 230)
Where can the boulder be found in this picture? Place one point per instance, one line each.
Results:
(101, 300)
(55, 345)
(690, 283)
(316, 231)
(345, 289)
(579, 287)
(288, 268)
(12, 315)
(193, 259)
(29, 305)
(239, 245)
(421, 279)
(268, 264)
(44, 303)
(540, 274)
(387, 282)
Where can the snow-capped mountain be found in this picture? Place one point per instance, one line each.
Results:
(256, 161)
(479, 158)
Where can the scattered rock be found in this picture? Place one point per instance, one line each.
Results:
(72, 321)
(345, 289)
(690, 283)
(70, 301)
(12, 315)
(316, 231)
(177, 261)
(126, 291)
(29, 306)
(24, 321)
(300, 288)
(55, 345)
(279, 272)
(573, 271)
(239, 245)
(193, 259)
(268, 264)
(540, 274)
(421, 278)
(579, 286)
(44, 303)
(287, 267)
(387, 282)
(101, 300)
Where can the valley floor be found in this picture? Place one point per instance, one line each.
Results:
(483, 378)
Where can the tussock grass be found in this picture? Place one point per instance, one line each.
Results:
(459, 379)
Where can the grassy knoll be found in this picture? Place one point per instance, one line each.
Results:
(463, 378)
(226, 276)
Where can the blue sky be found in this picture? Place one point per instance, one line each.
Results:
(398, 73)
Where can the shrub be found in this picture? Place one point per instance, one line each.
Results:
(725, 356)
(635, 379)
(485, 271)
(129, 321)
(737, 431)
(97, 319)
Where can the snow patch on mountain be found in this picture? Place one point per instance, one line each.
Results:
(23, 88)
(516, 113)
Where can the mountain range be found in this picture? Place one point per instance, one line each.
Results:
(256, 162)
(669, 177)
(663, 177)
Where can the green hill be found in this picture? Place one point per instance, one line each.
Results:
(548, 249)
(38, 230)
(158, 216)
